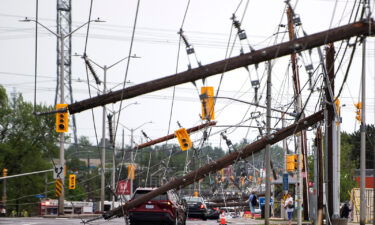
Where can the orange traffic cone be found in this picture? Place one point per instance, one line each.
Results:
(223, 220)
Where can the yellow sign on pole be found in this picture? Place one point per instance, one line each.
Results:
(58, 187)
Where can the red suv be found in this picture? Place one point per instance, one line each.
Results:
(166, 209)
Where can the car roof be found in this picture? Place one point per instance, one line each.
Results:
(146, 189)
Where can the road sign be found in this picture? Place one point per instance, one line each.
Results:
(123, 187)
(39, 196)
(58, 172)
(58, 187)
(285, 182)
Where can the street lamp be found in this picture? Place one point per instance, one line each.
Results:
(105, 68)
(62, 100)
(131, 147)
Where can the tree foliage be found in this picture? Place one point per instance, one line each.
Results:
(27, 144)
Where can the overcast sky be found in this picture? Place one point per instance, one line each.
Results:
(207, 26)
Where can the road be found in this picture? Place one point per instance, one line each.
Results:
(117, 221)
(66, 221)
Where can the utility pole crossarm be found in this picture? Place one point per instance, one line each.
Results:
(171, 136)
(255, 57)
(220, 163)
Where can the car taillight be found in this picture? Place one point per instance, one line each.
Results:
(216, 209)
(166, 204)
(202, 206)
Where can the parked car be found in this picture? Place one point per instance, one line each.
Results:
(165, 209)
(197, 207)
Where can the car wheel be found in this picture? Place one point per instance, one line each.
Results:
(204, 217)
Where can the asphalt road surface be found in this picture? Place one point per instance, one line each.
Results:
(65, 221)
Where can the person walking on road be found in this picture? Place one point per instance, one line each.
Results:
(289, 207)
(252, 203)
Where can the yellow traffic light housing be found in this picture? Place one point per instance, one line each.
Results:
(208, 103)
(291, 163)
(5, 172)
(72, 181)
(62, 118)
(359, 111)
(131, 172)
(183, 139)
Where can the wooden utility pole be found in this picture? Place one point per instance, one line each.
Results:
(301, 143)
(223, 162)
(171, 136)
(254, 57)
(330, 125)
(319, 149)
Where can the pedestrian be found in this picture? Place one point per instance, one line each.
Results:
(289, 207)
(345, 210)
(13, 213)
(252, 203)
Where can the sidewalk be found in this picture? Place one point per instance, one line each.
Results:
(261, 221)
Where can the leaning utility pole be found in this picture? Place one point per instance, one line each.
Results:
(223, 162)
(171, 136)
(268, 146)
(204, 71)
(362, 216)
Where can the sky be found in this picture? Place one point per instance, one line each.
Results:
(208, 28)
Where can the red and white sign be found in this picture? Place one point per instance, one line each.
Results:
(123, 187)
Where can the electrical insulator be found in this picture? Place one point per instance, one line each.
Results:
(183, 139)
(208, 103)
(72, 181)
(62, 122)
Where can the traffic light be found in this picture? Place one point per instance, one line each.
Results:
(208, 103)
(291, 163)
(62, 122)
(131, 172)
(72, 181)
(183, 139)
(5, 172)
(359, 111)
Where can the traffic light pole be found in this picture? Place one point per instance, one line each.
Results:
(62, 137)
(268, 146)
(362, 216)
(4, 188)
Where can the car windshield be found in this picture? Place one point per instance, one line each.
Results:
(193, 199)
(140, 193)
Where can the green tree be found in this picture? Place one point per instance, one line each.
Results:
(347, 166)
(27, 143)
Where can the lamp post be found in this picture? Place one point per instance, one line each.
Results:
(114, 156)
(62, 100)
(131, 147)
(105, 68)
